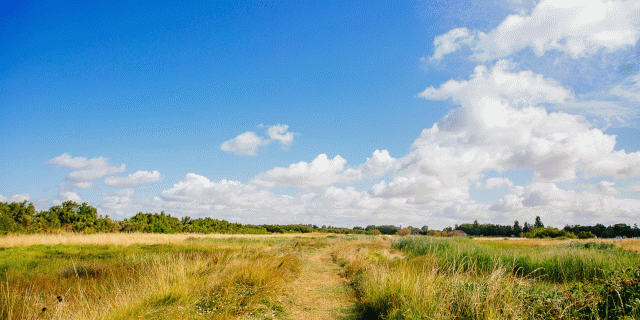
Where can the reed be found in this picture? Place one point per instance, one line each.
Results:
(559, 263)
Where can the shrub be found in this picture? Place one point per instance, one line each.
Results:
(586, 235)
(548, 233)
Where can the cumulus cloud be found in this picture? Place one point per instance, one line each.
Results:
(567, 206)
(499, 86)
(280, 133)
(199, 196)
(451, 42)
(576, 27)
(323, 172)
(69, 195)
(244, 144)
(606, 187)
(119, 203)
(379, 164)
(134, 179)
(494, 183)
(498, 126)
(15, 198)
(86, 170)
(248, 143)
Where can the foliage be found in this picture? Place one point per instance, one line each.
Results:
(404, 232)
(549, 233)
(445, 279)
(600, 231)
(71, 217)
(195, 281)
(385, 229)
(556, 264)
(586, 235)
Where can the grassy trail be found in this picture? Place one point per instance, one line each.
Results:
(320, 292)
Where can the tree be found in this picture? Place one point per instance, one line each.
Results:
(517, 230)
(538, 223)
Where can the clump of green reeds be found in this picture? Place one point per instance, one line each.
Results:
(459, 279)
(553, 263)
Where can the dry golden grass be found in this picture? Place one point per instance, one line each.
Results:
(125, 239)
(320, 292)
(239, 282)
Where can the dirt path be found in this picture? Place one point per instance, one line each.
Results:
(320, 292)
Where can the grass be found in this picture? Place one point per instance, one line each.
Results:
(159, 281)
(135, 276)
(435, 278)
(560, 263)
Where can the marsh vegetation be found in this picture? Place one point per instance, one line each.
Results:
(315, 276)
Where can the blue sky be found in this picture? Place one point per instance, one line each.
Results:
(421, 112)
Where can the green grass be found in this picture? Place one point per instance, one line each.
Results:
(574, 262)
(213, 280)
(445, 278)
(244, 278)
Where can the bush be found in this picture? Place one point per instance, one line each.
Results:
(549, 233)
(374, 232)
(586, 235)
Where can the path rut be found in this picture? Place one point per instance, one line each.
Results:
(320, 292)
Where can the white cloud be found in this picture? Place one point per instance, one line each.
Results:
(321, 172)
(576, 27)
(494, 183)
(69, 195)
(606, 187)
(451, 42)
(15, 198)
(280, 133)
(133, 179)
(119, 203)
(244, 144)
(379, 164)
(628, 89)
(568, 206)
(86, 170)
(498, 127)
(20, 197)
(66, 161)
(489, 89)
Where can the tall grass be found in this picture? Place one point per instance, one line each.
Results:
(563, 263)
(192, 281)
(460, 279)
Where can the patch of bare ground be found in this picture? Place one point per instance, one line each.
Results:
(320, 292)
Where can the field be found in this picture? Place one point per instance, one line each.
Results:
(315, 276)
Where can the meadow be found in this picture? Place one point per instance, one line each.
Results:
(315, 276)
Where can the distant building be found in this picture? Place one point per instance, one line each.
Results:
(458, 233)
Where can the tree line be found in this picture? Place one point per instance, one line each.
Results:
(538, 230)
(22, 217)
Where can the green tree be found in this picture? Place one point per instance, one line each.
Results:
(538, 223)
(517, 230)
